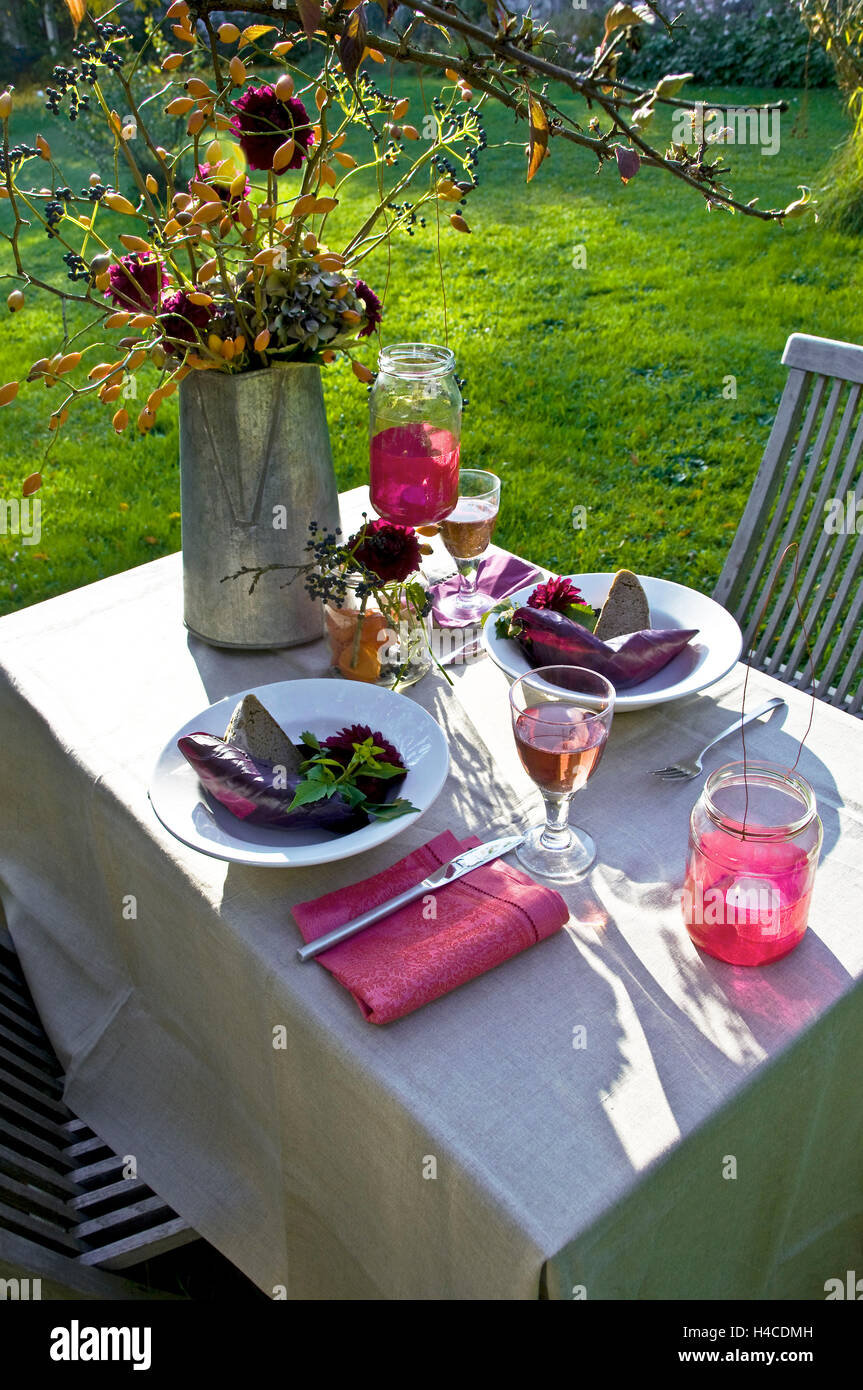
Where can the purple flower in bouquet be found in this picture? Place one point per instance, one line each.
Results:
(372, 305)
(390, 552)
(136, 283)
(184, 320)
(263, 123)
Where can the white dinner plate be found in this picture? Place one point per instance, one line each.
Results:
(323, 707)
(707, 658)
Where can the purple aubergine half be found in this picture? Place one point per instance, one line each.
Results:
(260, 792)
(551, 639)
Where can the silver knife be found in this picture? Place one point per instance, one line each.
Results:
(447, 873)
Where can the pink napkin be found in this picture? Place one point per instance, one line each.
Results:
(412, 957)
(498, 575)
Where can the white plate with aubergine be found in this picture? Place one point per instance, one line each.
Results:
(662, 606)
(225, 782)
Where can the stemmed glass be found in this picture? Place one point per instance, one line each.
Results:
(466, 533)
(561, 716)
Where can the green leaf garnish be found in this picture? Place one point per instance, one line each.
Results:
(390, 810)
(309, 791)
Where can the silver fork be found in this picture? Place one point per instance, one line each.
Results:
(684, 771)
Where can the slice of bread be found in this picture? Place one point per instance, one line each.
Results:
(626, 608)
(254, 729)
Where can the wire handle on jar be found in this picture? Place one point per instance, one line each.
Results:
(792, 545)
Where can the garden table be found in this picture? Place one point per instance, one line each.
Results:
(609, 1114)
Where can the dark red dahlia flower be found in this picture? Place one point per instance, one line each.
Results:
(341, 746)
(559, 594)
(389, 551)
(136, 283)
(263, 123)
(373, 307)
(344, 740)
(184, 320)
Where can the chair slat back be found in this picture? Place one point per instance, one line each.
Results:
(807, 489)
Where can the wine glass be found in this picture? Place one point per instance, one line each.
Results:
(466, 533)
(561, 716)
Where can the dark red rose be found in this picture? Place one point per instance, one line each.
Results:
(389, 551)
(182, 319)
(559, 594)
(263, 123)
(373, 307)
(136, 283)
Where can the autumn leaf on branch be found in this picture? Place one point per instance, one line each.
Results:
(620, 16)
(311, 15)
(352, 44)
(628, 163)
(538, 147)
(77, 10)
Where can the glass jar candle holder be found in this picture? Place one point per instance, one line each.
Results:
(414, 434)
(754, 842)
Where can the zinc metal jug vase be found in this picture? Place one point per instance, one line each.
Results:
(255, 468)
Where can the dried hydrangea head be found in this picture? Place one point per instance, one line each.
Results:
(313, 309)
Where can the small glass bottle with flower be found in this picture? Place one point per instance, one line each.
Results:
(376, 603)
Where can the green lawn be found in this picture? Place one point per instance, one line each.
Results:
(600, 387)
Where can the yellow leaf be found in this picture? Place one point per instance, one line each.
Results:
(77, 9)
(538, 147)
(255, 31)
(620, 15)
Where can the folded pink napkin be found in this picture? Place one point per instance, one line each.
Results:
(432, 945)
(498, 575)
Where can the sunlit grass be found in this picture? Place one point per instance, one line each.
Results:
(600, 387)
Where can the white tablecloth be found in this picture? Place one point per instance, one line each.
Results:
(557, 1168)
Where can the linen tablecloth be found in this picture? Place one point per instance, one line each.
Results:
(610, 1114)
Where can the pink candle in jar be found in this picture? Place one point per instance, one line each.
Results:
(414, 434)
(753, 850)
(413, 473)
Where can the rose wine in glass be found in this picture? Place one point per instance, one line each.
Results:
(561, 716)
(466, 533)
(559, 756)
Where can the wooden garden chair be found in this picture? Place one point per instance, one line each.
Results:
(68, 1216)
(809, 483)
